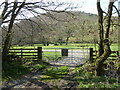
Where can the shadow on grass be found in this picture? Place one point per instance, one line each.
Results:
(13, 70)
(32, 81)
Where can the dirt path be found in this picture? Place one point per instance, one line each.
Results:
(26, 81)
(34, 80)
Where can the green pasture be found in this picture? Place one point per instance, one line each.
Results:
(114, 47)
(51, 55)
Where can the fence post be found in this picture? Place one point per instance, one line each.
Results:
(39, 53)
(64, 52)
(21, 53)
(91, 55)
(118, 53)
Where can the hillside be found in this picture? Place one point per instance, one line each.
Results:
(55, 27)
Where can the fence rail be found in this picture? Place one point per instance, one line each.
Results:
(113, 55)
(37, 53)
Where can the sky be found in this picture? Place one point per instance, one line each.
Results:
(88, 6)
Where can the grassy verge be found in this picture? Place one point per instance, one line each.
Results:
(98, 82)
(89, 80)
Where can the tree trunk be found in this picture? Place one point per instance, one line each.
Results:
(7, 42)
(67, 41)
(8, 35)
(102, 58)
(100, 29)
(107, 51)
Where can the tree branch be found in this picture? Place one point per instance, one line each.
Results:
(117, 10)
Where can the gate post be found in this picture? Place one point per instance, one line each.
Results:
(64, 52)
(91, 55)
(21, 53)
(118, 53)
(39, 51)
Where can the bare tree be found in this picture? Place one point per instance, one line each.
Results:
(13, 10)
(104, 31)
(69, 32)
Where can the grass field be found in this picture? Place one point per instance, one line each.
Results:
(114, 47)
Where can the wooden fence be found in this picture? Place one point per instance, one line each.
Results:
(34, 53)
(113, 56)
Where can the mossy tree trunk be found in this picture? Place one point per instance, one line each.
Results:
(100, 29)
(104, 46)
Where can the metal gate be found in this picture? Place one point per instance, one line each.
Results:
(66, 56)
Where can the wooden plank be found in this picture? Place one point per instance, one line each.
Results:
(94, 55)
(31, 58)
(113, 51)
(95, 51)
(112, 56)
(27, 55)
(24, 49)
(23, 52)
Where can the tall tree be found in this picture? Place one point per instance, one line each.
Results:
(11, 11)
(14, 12)
(100, 29)
(104, 43)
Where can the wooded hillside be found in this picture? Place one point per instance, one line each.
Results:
(56, 27)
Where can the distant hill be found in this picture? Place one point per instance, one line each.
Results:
(54, 27)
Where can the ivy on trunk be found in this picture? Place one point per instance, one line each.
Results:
(104, 44)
